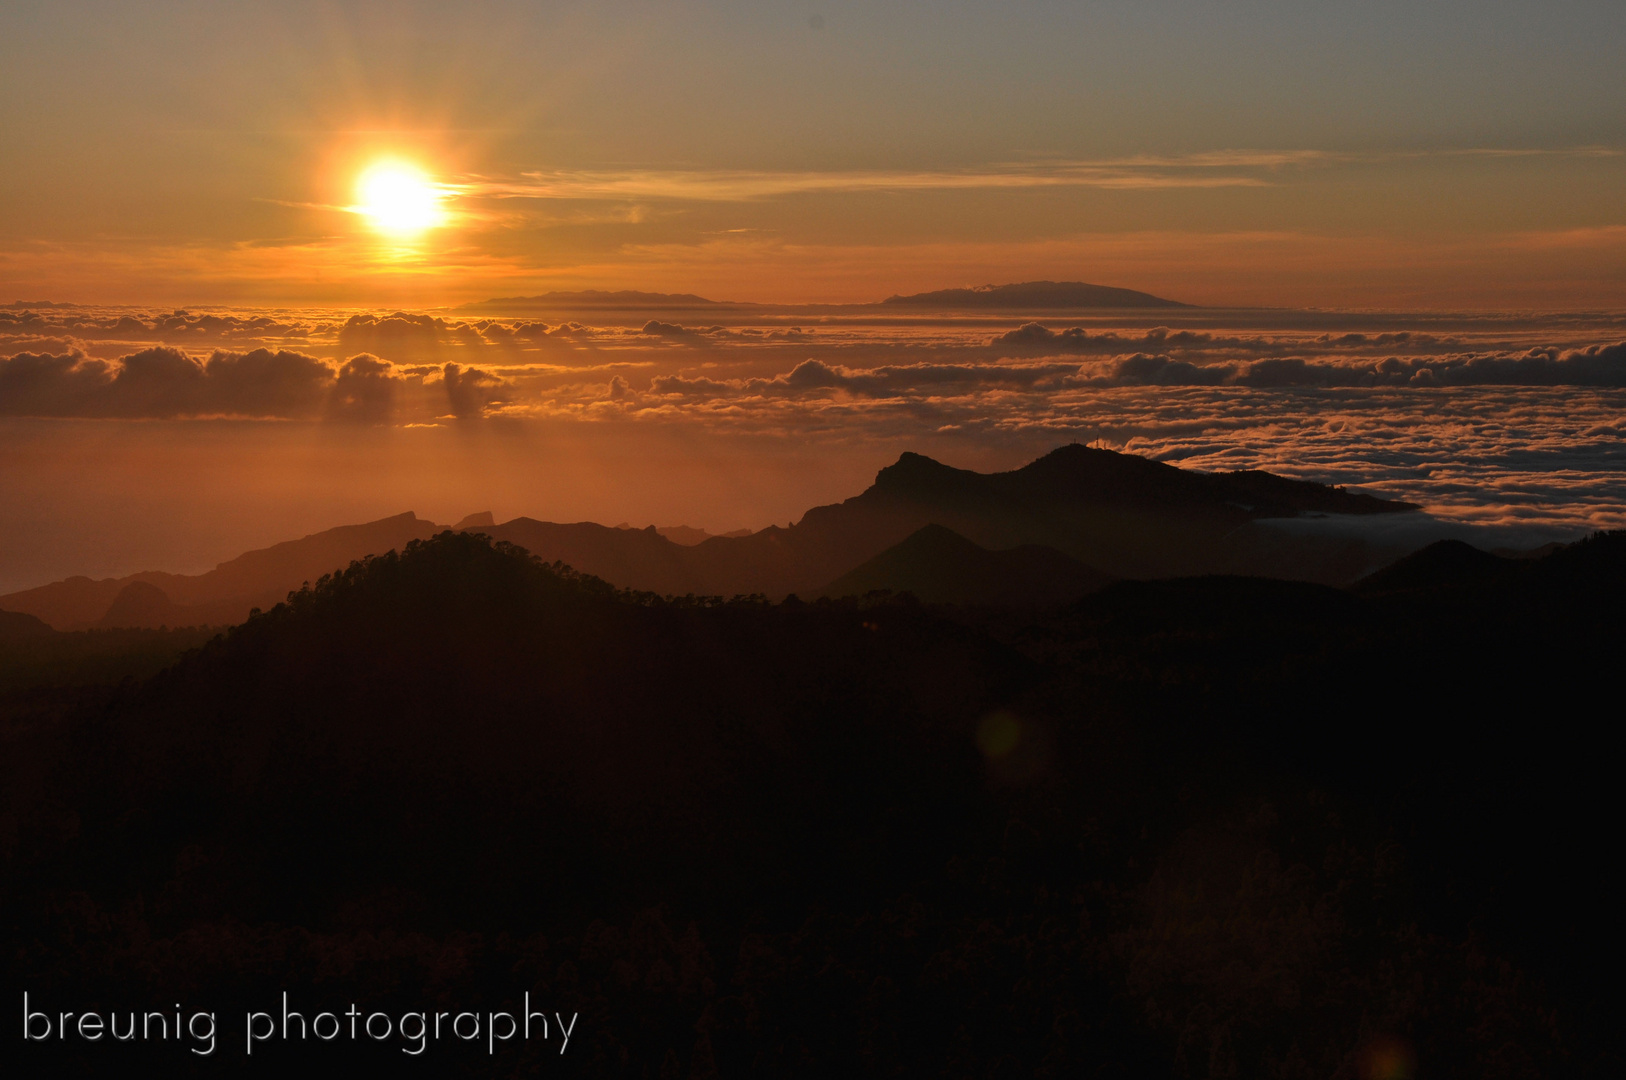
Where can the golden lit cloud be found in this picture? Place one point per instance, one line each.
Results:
(1238, 169)
(1141, 172)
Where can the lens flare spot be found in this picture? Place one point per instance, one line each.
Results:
(1387, 1059)
(998, 734)
(398, 199)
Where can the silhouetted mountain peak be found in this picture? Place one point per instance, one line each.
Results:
(1072, 471)
(1079, 474)
(934, 537)
(452, 575)
(931, 543)
(139, 603)
(1445, 562)
(937, 564)
(1077, 468)
(916, 473)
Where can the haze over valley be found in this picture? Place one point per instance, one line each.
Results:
(251, 427)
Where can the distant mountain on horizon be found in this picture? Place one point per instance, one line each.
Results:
(687, 535)
(1106, 513)
(222, 596)
(1034, 296)
(597, 299)
(1017, 296)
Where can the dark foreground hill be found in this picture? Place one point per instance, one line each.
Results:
(1198, 828)
(17, 626)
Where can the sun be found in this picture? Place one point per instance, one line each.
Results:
(398, 198)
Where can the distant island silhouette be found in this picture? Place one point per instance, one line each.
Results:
(1019, 296)
(1032, 296)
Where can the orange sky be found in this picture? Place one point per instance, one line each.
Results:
(1441, 155)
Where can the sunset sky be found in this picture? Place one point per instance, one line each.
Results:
(1436, 154)
(782, 529)
(239, 243)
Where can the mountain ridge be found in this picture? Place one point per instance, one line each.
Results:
(1117, 514)
(257, 578)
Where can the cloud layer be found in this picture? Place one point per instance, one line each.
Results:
(1503, 420)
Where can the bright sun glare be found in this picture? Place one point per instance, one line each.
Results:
(398, 198)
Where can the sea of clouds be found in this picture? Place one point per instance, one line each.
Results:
(1506, 420)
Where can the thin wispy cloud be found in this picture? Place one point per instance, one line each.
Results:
(1210, 169)
(1206, 171)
